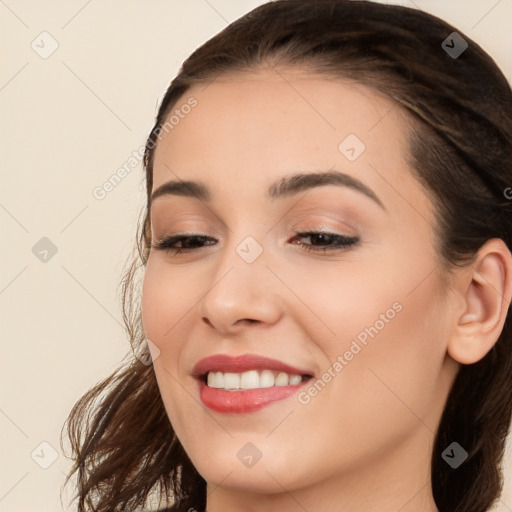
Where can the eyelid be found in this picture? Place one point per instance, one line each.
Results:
(309, 219)
(297, 227)
(309, 226)
(343, 243)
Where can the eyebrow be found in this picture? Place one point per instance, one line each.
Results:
(285, 187)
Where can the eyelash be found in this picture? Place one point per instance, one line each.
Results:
(165, 244)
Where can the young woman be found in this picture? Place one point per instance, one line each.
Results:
(326, 272)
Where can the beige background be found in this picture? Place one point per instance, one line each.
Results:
(68, 122)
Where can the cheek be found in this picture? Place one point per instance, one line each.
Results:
(154, 303)
(392, 363)
(387, 321)
(164, 301)
(160, 306)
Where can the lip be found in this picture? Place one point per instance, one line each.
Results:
(245, 362)
(249, 400)
(246, 401)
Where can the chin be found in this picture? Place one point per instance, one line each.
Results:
(249, 481)
(268, 475)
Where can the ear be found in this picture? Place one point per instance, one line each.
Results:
(485, 288)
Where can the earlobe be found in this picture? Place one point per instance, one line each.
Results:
(486, 290)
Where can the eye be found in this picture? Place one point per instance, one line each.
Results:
(189, 243)
(328, 241)
(322, 242)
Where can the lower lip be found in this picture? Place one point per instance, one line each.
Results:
(249, 400)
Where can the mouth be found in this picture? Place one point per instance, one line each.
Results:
(246, 383)
(252, 379)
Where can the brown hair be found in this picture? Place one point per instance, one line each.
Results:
(461, 152)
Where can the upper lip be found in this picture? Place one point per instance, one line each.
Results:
(238, 364)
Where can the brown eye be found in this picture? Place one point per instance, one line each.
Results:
(324, 241)
(320, 242)
(189, 243)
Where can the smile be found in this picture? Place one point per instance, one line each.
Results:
(246, 383)
(252, 379)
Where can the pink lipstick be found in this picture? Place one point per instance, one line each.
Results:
(229, 374)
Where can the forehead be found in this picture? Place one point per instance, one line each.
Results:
(247, 129)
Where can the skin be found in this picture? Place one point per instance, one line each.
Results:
(364, 442)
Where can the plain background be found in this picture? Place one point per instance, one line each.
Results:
(68, 122)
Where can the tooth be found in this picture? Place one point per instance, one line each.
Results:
(282, 379)
(218, 379)
(295, 379)
(249, 380)
(231, 381)
(266, 379)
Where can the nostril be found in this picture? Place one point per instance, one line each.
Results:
(207, 322)
(249, 320)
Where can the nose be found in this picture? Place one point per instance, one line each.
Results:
(242, 291)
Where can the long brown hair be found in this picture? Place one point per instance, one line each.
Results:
(460, 142)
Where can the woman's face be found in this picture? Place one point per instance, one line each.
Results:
(367, 321)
